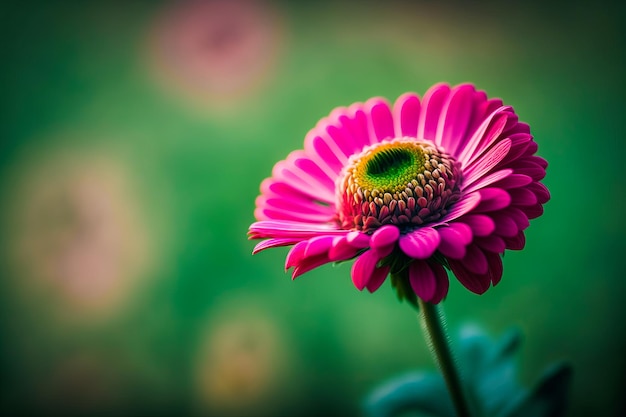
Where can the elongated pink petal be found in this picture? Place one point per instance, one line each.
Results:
(303, 181)
(540, 190)
(480, 224)
(406, 114)
(491, 243)
(475, 260)
(522, 197)
(273, 243)
(421, 243)
(488, 161)
(495, 267)
(422, 280)
(381, 119)
(292, 229)
(516, 242)
(318, 246)
(492, 199)
(269, 213)
(476, 283)
(467, 204)
(433, 102)
(378, 277)
(324, 151)
(455, 116)
(308, 264)
(296, 254)
(533, 211)
(483, 137)
(363, 269)
(505, 225)
(341, 250)
(482, 182)
(442, 282)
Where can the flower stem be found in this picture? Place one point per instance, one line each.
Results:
(433, 323)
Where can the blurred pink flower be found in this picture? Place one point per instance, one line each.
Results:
(216, 51)
(448, 181)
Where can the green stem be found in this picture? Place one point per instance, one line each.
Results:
(433, 323)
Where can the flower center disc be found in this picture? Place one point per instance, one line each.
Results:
(403, 182)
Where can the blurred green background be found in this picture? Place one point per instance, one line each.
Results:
(134, 136)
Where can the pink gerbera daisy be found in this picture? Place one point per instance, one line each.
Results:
(410, 190)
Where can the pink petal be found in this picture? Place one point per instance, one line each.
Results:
(358, 240)
(423, 280)
(273, 187)
(475, 260)
(533, 211)
(468, 203)
(450, 245)
(505, 225)
(480, 224)
(296, 254)
(318, 246)
(517, 215)
(442, 283)
(380, 118)
(324, 151)
(291, 229)
(495, 267)
(487, 180)
(464, 231)
(537, 173)
(492, 199)
(363, 269)
(541, 191)
(294, 203)
(421, 243)
(305, 164)
(341, 250)
(487, 162)
(514, 181)
(455, 116)
(432, 104)
(378, 277)
(484, 136)
(337, 130)
(476, 283)
(384, 236)
(356, 122)
(268, 213)
(304, 182)
(491, 243)
(519, 146)
(516, 242)
(273, 243)
(406, 114)
(308, 264)
(522, 197)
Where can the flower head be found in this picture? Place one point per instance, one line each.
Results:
(410, 190)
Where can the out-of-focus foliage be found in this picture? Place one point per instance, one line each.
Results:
(489, 375)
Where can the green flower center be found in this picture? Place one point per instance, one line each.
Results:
(402, 182)
(390, 168)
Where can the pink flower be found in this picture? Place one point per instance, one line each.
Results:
(410, 190)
